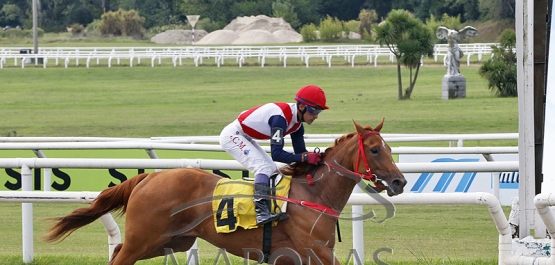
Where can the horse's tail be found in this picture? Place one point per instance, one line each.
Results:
(114, 198)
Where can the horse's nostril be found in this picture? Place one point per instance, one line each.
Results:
(399, 183)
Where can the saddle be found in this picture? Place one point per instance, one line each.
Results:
(233, 206)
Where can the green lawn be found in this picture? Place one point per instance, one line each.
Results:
(168, 101)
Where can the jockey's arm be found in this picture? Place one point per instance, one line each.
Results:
(278, 128)
(297, 139)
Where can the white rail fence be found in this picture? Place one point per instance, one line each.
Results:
(219, 54)
(310, 138)
(27, 197)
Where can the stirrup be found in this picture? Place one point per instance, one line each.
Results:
(272, 218)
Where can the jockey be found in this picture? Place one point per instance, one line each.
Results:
(272, 121)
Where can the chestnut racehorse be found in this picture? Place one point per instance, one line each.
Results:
(149, 202)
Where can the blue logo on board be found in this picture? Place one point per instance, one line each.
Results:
(446, 178)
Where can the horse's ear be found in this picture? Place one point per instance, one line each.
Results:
(379, 127)
(359, 128)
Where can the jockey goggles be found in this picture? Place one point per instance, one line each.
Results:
(314, 111)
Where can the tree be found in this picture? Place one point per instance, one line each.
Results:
(409, 40)
(251, 8)
(342, 9)
(80, 15)
(216, 10)
(367, 18)
(497, 9)
(155, 12)
(11, 15)
(284, 9)
(471, 11)
(53, 14)
(446, 21)
(382, 7)
(500, 70)
(308, 11)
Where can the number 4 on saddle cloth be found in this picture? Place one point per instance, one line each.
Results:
(233, 206)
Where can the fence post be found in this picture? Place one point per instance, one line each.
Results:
(27, 216)
(358, 227)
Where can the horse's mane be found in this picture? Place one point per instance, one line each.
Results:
(301, 168)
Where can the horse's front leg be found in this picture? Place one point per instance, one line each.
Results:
(321, 255)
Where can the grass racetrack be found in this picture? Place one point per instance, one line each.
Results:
(187, 101)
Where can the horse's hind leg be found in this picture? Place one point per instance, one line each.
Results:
(179, 244)
(133, 250)
(116, 251)
(138, 242)
(146, 236)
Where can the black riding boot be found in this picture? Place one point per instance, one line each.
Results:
(262, 206)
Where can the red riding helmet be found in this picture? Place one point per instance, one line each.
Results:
(313, 96)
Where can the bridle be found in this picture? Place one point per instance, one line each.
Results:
(368, 175)
(361, 153)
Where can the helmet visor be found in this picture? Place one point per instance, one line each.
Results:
(314, 111)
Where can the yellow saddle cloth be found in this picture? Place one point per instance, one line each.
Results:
(233, 206)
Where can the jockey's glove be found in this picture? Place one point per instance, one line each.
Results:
(314, 158)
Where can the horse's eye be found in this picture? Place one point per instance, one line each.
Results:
(374, 150)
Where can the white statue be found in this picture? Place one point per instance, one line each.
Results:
(455, 53)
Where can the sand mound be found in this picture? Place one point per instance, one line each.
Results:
(285, 36)
(259, 29)
(256, 36)
(222, 36)
(260, 22)
(177, 36)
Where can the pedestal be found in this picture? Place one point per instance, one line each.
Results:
(453, 87)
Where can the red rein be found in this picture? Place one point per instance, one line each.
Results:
(361, 154)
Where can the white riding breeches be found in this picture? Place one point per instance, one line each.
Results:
(246, 150)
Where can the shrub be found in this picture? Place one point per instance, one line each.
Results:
(77, 29)
(94, 26)
(330, 29)
(40, 32)
(208, 25)
(367, 36)
(132, 23)
(110, 24)
(121, 22)
(351, 26)
(500, 70)
(15, 33)
(308, 32)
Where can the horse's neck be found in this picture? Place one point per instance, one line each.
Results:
(332, 188)
(335, 188)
